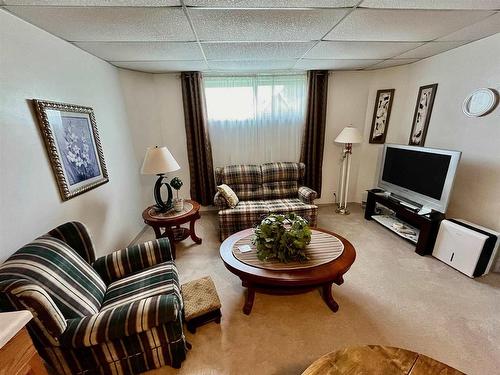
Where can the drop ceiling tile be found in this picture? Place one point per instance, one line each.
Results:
(402, 25)
(348, 64)
(272, 3)
(78, 3)
(143, 51)
(429, 49)
(109, 23)
(246, 65)
(161, 66)
(432, 4)
(481, 29)
(359, 50)
(256, 50)
(263, 25)
(392, 62)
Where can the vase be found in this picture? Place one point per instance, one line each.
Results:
(178, 204)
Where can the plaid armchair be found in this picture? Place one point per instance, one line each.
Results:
(262, 190)
(119, 314)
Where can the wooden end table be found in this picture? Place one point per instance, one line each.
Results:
(376, 359)
(171, 222)
(292, 281)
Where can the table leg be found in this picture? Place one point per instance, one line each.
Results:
(326, 292)
(171, 237)
(194, 237)
(157, 232)
(250, 295)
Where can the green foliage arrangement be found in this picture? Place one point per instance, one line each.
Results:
(176, 183)
(282, 237)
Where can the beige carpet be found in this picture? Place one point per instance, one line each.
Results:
(391, 296)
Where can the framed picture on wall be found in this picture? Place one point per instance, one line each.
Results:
(422, 115)
(73, 146)
(381, 115)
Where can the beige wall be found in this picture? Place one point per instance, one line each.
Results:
(156, 115)
(35, 64)
(457, 72)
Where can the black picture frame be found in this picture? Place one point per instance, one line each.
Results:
(381, 115)
(422, 115)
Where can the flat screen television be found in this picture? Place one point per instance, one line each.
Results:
(419, 174)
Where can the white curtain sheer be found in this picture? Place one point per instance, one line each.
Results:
(255, 119)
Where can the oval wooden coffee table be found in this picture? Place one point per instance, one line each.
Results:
(292, 281)
(376, 359)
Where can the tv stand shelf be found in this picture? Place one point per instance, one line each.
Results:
(427, 225)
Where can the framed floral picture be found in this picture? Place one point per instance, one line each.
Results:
(381, 115)
(422, 115)
(73, 146)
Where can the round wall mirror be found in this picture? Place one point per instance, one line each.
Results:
(480, 102)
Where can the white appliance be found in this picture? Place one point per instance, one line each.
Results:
(467, 247)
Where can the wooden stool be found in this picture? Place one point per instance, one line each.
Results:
(201, 303)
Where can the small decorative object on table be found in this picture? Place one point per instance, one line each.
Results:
(176, 184)
(158, 161)
(282, 237)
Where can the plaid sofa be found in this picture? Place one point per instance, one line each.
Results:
(262, 190)
(119, 314)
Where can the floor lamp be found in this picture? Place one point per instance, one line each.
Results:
(347, 136)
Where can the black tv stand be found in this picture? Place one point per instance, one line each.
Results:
(427, 224)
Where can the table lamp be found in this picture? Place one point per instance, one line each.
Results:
(159, 160)
(347, 136)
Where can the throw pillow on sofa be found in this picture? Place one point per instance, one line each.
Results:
(229, 195)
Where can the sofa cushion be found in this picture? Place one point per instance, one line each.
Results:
(75, 287)
(245, 215)
(228, 194)
(153, 281)
(282, 171)
(295, 205)
(245, 180)
(280, 189)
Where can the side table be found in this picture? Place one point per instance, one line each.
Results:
(171, 222)
(18, 355)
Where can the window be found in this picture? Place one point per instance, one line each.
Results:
(255, 119)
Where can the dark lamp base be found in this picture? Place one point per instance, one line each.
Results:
(162, 206)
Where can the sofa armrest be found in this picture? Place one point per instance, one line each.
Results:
(121, 321)
(307, 195)
(30, 296)
(132, 259)
(220, 202)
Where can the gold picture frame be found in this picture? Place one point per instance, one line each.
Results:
(73, 146)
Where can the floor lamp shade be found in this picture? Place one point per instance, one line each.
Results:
(347, 136)
(159, 160)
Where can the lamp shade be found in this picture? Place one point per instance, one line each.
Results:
(349, 134)
(158, 160)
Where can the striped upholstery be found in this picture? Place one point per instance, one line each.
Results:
(156, 280)
(74, 286)
(129, 323)
(259, 188)
(76, 235)
(123, 320)
(132, 259)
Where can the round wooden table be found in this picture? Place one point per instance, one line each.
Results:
(378, 360)
(171, 222)
(291, 281)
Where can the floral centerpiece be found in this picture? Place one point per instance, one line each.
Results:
(282, 237)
